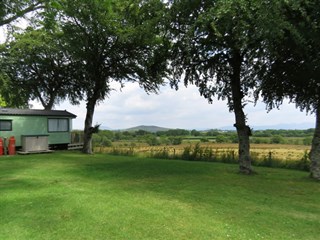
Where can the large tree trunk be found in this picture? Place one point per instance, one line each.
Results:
(315, 149)
(243, 130)
(50, 104)
(88, 129)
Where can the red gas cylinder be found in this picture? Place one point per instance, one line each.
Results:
(1, 146)
(12, 146)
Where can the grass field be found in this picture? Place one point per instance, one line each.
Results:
(284, 152)
(68, 195)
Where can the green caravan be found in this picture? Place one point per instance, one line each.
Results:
(53, 125)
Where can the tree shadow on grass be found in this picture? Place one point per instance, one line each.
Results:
(191, 182)
(183, 180)
(130, 189)
(140, 167)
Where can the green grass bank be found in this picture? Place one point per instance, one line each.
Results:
(67, 195)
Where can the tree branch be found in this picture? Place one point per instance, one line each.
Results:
(21, 13)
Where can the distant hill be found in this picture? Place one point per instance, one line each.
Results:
(105, 128)
(146, 128)
(153, 129)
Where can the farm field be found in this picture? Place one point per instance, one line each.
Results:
(68, 195)
(283, 152)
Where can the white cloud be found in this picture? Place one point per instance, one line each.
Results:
(184, 108)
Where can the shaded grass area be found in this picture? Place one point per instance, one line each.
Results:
(73, 196)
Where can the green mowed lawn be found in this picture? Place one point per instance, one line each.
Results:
(68, 195)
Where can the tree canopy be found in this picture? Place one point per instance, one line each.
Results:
(11, 10)
(218, 46)
(293, 63)
(37, 68)
(293, 66)
(112, 41)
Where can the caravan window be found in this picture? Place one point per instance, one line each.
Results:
(5, 125)
(58, 125)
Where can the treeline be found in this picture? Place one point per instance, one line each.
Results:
(284, 133)
(177, 136)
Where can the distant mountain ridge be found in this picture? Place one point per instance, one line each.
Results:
(152, 129)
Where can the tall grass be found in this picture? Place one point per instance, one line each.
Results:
(196, 152)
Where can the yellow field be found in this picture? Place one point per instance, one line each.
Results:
(276, 151)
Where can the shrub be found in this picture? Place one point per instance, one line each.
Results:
(228, 156)
(123, 151)
(277, 139)
(307, 141)
(98, 141)
(163, 153)
(204, 140)
(258, 140)
(234, 138)
(152, 140)
(175, 140)
(304, 163)
(186, 154)
(221, 139)
(208, 154)
(197, 152)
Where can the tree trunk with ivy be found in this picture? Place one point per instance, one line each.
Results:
(88, 128)
(243, 130)
(315, 149)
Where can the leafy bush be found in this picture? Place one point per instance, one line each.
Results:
(221, 139)
(304, 163)
(204, 140)
(152, 140)
(234, 138)
(163, 153)
(307, 141)
(186, 154)
(98, 141)
(258, 140)
(277, 139)
(123, 151)
(175, 140)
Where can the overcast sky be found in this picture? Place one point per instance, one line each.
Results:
(184, 108)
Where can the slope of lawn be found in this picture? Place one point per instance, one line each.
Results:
(68, 195)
